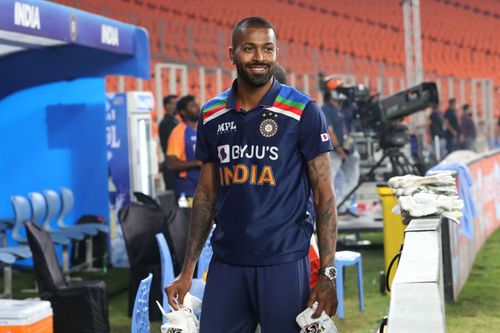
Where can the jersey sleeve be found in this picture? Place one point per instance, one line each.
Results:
(202, 152)
(313, 133)
(176, 145)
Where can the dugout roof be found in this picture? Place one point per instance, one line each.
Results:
(43, 42)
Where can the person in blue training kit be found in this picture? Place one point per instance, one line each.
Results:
(181, 147)
(264, 146)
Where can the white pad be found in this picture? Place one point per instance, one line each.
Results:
(184, 319)
(308, 324)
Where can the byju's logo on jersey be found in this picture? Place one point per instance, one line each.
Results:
(223, 152)
(229, 153)
(325, 137)
(226, 127)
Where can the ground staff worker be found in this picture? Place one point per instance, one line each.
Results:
(264, 146)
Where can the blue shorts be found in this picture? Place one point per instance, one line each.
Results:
(237, 298)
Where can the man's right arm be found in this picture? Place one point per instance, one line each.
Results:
(335, 143)
(450, 128)
(201, 223)
(175, 164)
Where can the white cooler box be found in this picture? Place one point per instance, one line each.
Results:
(28, 316)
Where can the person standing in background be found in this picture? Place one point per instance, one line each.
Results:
(452, 133)
(181, 147)
(468, 127)
(167, 124)
(280, 74)
(436, 129)
(344, 159)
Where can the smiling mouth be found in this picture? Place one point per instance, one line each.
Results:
(258, 69)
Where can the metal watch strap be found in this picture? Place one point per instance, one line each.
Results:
(329, 272)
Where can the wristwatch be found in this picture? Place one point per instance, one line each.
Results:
(329, 272)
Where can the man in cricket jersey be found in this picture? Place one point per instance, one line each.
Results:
(264, 146)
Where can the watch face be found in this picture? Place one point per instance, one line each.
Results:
(329, 272)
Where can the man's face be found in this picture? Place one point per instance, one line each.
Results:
(170, 106)
(191, 111)
(254, 55)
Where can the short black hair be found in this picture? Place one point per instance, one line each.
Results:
(168, 98)
(465, 107)
(452, 100)
(250, 22)
(280, 74)
(183, 102)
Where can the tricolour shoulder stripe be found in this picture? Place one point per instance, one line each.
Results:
(283, 100)
(215, 105)
(290, 94)
(291, 100)
(216, 102)
(215, 114)
(284, 112)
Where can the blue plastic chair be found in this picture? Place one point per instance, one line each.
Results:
(167, 274)
(20, 215)
(39, 212)
(205, 257)
(22, 212)
(7, 258)
(54, 211)
(67, 202)
(140, 314)
(343, 259)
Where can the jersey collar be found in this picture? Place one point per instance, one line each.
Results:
(267, 100)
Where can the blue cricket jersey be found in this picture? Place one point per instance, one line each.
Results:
(260, 157)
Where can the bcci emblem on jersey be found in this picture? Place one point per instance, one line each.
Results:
(268, 128)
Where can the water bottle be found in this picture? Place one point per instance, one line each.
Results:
(104, 269)
(183, 202)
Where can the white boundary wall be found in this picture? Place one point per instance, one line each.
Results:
(417, 294)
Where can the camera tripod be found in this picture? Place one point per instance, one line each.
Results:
(400, 166)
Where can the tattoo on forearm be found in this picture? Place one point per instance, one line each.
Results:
(201, 223)
(325, 206)
(326, 224)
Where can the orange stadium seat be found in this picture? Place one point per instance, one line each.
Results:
(461, 41)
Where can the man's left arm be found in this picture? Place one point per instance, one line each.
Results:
(318, 170)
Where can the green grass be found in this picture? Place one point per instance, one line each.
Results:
(478, 305)
(376, 304)
(477, 309)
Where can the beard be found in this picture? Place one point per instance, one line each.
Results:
(255, 80)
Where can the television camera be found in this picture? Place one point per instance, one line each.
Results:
(384, 117)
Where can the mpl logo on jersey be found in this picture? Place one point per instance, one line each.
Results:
(226, 127)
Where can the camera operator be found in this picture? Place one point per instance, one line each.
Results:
(344, 159)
